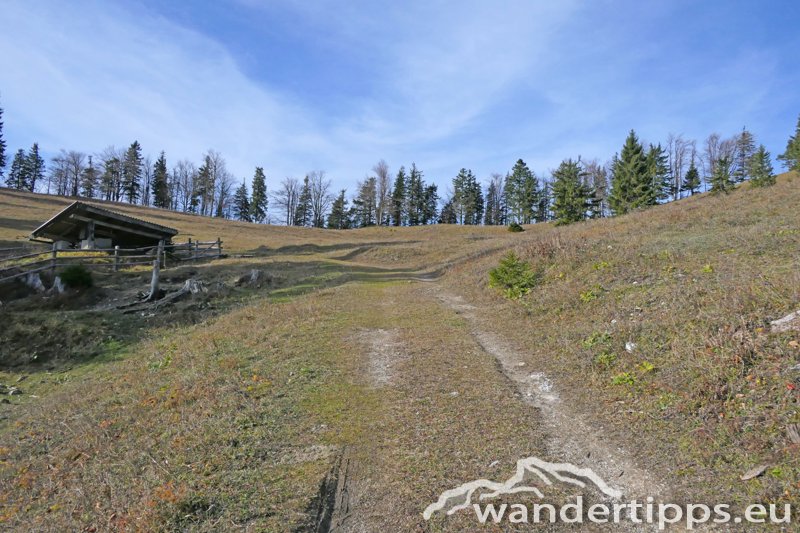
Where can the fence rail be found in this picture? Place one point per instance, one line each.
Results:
(115, 259)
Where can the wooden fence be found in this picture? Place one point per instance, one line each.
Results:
(17, 265)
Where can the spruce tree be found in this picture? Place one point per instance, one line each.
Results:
(522, 193)
(745, 147)
(89, 178)
(200, 194)
(339, 217)
(476, 204)
(365, 204)
(459, 193)
(132, 172)
(490, 213)
(791, 157)
(430, 204)
(660, 183)
(631, 185)
(16, 178)
(302, 214)
(160, 182)
(2, 146)
(467, 198)
(691, 181)
(761, 172)
(242, 208)
(543, 213)
(258, 204)
(495, 212)
(721, 180)
(415, 196)
(33, 168)
(398, 207)
(570, 194)
(448, 213)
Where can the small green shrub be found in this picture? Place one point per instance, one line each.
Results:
(605, 358)
(515, 228)
(666, 400)
(589, 296)
(596, 338)
(646, 367)
(76, 277)
(624, 378)
(513, 276)
(155, 366)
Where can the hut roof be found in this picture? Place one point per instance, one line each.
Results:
(68, 224)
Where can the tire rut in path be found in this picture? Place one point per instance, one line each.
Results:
(342, 504)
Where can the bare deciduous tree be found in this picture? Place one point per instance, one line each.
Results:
(182, 184)
(147, 179)
(714, 149)
(75, 163)
(320, 197)
(213, 169)
(384, 192)
(596, 180)
(679, 151)
(57, 177)
(224, 182)
(286, 198)
(111, 173)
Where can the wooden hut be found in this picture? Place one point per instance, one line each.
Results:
(89, 227)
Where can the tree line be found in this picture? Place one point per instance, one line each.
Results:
(638, 176)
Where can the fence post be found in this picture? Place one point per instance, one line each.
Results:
(116, 258)
(53, 259)
(154, 282)
(194, 253)
(219, 248)
(161, 254)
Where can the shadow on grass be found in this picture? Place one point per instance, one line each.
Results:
(303, 249)
(42, 336)
(20, 224)
(359, 275)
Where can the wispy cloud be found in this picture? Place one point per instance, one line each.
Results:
(295, 86)
(87, 78)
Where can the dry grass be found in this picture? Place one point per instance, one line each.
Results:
(228, 413)
(707, 392)
(21, 213)
(210, 428)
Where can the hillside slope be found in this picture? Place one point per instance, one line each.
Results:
(658, 324)
(22, 212)
(381, 357)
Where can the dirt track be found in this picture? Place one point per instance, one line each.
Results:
(354, 497)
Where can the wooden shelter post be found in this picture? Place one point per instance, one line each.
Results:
(90, 234)
(54, 256)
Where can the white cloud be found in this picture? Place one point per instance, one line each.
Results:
(445, 85)
(84, 78)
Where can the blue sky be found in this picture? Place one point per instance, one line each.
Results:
(296, 86)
